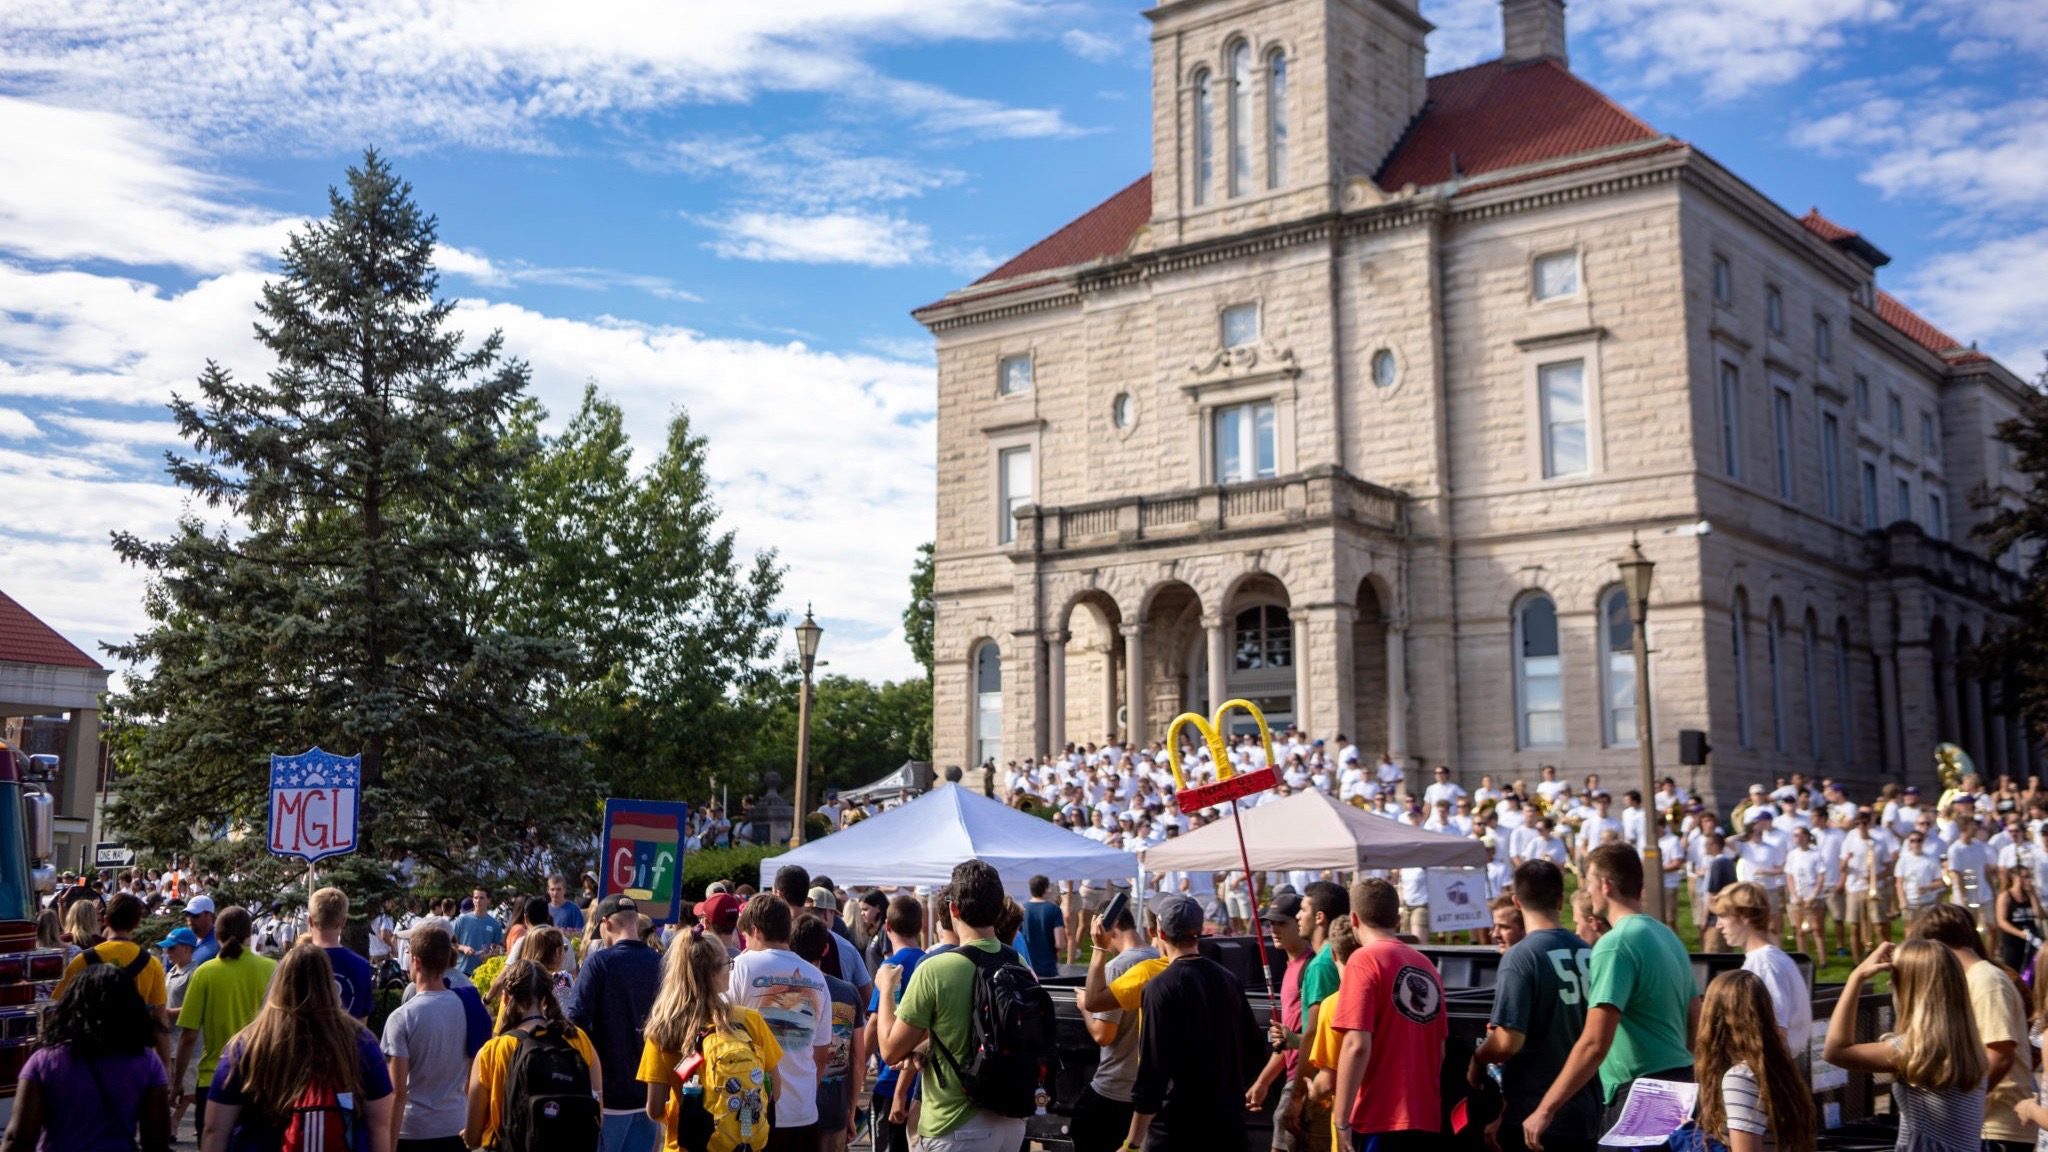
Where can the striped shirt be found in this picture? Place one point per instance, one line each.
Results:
(1742, 1102)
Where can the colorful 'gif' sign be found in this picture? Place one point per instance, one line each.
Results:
(313, 802)
(643, 855)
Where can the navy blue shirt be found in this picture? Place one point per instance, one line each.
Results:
(610, 1000)
(567, 916)
(1041, 918)
(353, 979)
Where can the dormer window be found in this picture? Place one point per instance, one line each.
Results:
(1240, 325)
(1557, 275)
(1013, 377)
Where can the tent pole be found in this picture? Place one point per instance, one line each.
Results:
(1252, 893)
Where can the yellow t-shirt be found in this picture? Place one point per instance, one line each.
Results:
(121, 953)
(2002, 1017)
(1322, 1053)
(493, 1061)
(1129, 988)
(658, 1066)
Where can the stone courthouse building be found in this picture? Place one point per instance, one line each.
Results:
(1351, 405)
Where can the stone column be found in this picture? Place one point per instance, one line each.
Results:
(1056, 691)
(1217, 630)
(1134, 678)
(1330, 679)
(82, 770)
(1397, 689)
(1304, 713)
(1108, 685)
(1976, 721)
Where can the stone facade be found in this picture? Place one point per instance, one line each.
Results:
(1407, 476)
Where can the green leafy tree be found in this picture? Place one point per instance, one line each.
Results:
(670, 631)
(859, 730)
(917, 618)
(2019, 653)
(365, 489)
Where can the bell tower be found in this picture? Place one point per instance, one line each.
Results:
(1262, 109)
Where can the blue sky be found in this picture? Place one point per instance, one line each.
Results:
(732, 208)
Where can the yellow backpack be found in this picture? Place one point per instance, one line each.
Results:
(736, 1090)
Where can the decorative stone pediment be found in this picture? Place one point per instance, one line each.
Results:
(1245, 360)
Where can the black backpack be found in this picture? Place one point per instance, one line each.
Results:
(1012, 1054)
(548, 1105)
(134, 968)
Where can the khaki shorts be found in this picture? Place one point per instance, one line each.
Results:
(1415, 919)
(1837, 903)
(1864, 908)
(1808, 911)
(1094, 899)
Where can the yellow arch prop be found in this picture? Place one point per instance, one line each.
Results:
(1226, 772)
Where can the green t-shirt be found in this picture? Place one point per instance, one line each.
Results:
(221, 999)
(1642, 969)
(1319, 980)
(939, 999)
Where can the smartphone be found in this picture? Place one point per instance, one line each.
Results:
(690, 1067)
(1115, 910)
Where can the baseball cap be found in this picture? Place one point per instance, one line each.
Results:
(611, 906)
(1285, 906)
(177, 936)
(467, 904)
(1756, 814)
(1317, 744)
(1180, 918)
(199, 904)
(721, 910)
(823, 898)
(1912, 790)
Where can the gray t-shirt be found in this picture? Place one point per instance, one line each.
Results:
(1117, 1073)
(429, 1030)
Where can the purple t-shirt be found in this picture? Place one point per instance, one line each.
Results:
(255, 1132)
(77, 1115)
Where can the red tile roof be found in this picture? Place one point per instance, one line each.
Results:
(1103, 230)
(1494, 116)
(27, 640)
(1825, 228)
(1917, 329)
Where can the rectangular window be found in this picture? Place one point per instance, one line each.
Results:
(1937, 518)
(1823, 340)
(1240, 325)
(1863, 395)
(1724, 281)
(1731, 420)
(1927, 436)
(1774, 311)
(1244, 443)
(1781, 423)
(1013, 473)
(1557, 275)
(1831, 464)
(1563, 400)
(1905, 499)
(1014, 376)
(1895, 414)
(2004, 454)
(1872, 518)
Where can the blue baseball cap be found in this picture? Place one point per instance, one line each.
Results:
(177, 936)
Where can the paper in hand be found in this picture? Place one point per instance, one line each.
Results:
(1653, 1111)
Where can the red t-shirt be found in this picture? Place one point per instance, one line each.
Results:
(1392, 991)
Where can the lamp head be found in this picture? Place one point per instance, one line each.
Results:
(807, 634)
(1635, 573)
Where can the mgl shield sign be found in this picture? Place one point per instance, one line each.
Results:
(313, 802)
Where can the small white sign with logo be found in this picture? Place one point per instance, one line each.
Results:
(1457, 900)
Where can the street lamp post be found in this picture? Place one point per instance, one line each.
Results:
(1635, 580)
(807, 634)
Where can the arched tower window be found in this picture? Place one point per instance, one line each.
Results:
(1240, 119)
(1617, 670)
(988, 705)
(1774, 639)
(1205, 135)
(1844, 717)
(1738, 623)
(1807, 640)
(1276, 119)
(1539, 675)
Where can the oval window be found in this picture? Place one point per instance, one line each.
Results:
(1124, 410)
(1383, 368)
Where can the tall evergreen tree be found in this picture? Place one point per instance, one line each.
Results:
(366, 490)
(2019, 653)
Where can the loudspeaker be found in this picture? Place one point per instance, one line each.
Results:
(1692, 746)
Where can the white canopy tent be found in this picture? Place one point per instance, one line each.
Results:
(919, 843)
(1313, 830)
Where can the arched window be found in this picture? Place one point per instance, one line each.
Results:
(1806, 643)
(1617, 670)
(1264, 639)
(1539, 675)
(1738, 621)
(1774, 638)
(1276, 119)
(1240, 119)
(1843, 719)
(1205, 135)
(988, 705)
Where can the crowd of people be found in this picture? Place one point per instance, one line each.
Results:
(804, 1016)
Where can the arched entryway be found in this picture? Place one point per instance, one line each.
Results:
(1087, 667)
(1156, 659)
(1253, 639)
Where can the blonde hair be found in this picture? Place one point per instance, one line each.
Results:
(688, 1002)
(1746, 902)
(83, 923)
(1938, 1038)
(327, 909)
(1343, 940)
(545, 946)
(1729, 1035)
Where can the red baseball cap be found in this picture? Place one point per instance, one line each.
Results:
(720, 911)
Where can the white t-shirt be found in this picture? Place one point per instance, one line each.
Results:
(1671, 849)
(1794, 1006)
(790, 995)
(1444, 791)
(1804, 871)
(1916, 871)
(1549, 789)
(1970, 863)
(1762, 862)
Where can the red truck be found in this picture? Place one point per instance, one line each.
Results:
(28, 975)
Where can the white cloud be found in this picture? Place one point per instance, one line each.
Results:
(481, 270)
(851, 237)
(480, 72)
(1091, 45)
(1993, 293)
(16, 425)
(1961, 147)
(1726, 47)
(813, 170)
